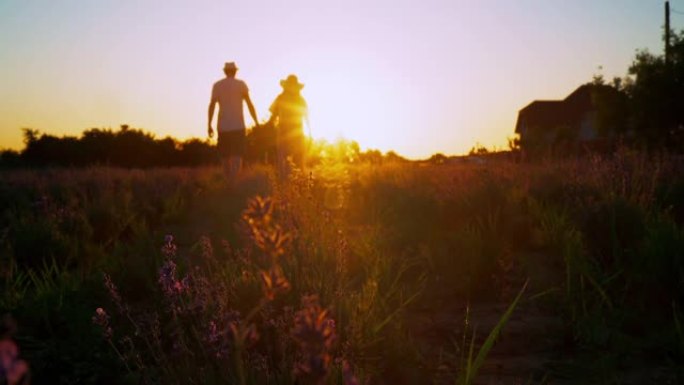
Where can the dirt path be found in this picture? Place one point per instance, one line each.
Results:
(527, 345)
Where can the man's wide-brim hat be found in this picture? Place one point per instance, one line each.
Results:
(291, 83)
(230, 66)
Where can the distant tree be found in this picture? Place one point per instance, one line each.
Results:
(598, 79)
(98, 146)
(438, 158)
(135, 148)
(47, 150)
(261, 144)
(478, 149)
(371, 156)
(514, 143)
(195, 152)
(30, 135)
(128, 147)
(656, 96)
(612, 108)
(165, 153)
(393, 157)
(9, 159)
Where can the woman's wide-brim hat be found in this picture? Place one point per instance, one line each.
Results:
(291, 83)
(230, 66)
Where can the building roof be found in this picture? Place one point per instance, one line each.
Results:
(542, 113)
(553, 113)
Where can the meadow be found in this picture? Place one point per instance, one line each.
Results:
(559, 272)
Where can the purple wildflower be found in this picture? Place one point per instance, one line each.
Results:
(167, 278)
(13, 371)
(348, 375)
(207, 248)
(274, 282)
(101, 319)
(314, 331)
(113, 292)
(169, 248)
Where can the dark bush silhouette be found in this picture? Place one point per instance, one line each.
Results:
(657, 96)
(127, 147)
(261, 144)
(10, 159)
(135, 148)
(649, 104)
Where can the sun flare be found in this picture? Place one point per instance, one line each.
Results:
(346, 105)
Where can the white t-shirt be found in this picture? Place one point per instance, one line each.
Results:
(230, 92)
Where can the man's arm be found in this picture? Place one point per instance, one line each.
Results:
(251, 109)
(212, 105)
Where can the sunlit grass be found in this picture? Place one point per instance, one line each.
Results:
(390, 254)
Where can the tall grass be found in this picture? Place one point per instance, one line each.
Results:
(366, 248)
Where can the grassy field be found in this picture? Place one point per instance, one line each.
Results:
(403, 273)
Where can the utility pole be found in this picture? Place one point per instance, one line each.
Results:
(667, 32)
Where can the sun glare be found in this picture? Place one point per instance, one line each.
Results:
(346, 105)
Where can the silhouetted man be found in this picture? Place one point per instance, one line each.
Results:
(229, 94)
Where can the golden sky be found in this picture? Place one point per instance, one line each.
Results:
(417, 77)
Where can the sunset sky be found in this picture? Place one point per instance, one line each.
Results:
(417, 77)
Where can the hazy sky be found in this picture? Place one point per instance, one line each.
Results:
(419, 77)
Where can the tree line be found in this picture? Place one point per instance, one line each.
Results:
(135, 148)
(126, 147)
(646, 107)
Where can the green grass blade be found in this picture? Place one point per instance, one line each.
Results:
(600, 290)
(474, 367)
(389, 318)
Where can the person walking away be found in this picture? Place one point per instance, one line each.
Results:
(229, 93)
(288, 112)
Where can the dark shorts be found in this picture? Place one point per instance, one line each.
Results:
(231, 143)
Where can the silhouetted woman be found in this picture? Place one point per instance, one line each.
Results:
(288, 112)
